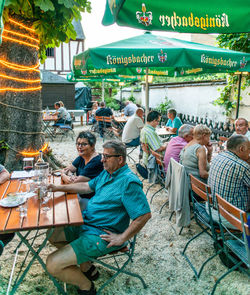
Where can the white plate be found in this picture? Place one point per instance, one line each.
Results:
(9, 202)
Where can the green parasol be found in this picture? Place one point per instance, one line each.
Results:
(149, 54)
(1, 21)
(225, 16)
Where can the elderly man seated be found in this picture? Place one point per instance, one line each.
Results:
(177, 143)
(229, 174)
(132, 129)
(118, 198)
(174, 122)
(150, 137)
(241, 127)
(4, 238)
(130, 108)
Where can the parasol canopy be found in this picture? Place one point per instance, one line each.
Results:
(225, 16)
(149, 54)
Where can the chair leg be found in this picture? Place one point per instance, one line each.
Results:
(225, 274)
(164, 206)
(149, 188)
(155, 194)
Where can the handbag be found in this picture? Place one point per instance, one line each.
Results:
(142, 170)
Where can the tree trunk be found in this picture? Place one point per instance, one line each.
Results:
(20, 111)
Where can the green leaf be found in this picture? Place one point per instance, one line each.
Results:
(67, 3)
(44, 5)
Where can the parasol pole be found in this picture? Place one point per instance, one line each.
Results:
(238, 97)
(146, 94)
(103, 90)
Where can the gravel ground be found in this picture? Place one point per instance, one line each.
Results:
(157, 256)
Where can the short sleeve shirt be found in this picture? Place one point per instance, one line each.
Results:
(176, 123)
(93, 168)
(104, 112)
(132, 129)
(63, 114)
(150, 137)
(118, 198)
(229, 176)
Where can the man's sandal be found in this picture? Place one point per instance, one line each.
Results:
(92, 290)
(89, 275)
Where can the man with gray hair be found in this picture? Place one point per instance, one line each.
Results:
(229, 174)
(176, 144)
(132, 129)
(118, 198)
(241, 127)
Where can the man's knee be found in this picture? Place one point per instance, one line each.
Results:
(52, 264)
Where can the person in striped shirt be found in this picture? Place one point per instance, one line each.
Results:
(150, 137)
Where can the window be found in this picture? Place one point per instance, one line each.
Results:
(50, 52)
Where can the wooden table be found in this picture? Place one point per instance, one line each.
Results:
(47, 128)
(121, 121)
(164, 133)
(65, 210)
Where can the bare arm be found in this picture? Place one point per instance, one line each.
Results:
(134, 227)
(73, 179)
(202, 162)
(79, 187)
(4, 176)
(174, 130)
(162, 148)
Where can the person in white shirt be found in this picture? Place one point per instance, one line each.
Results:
(241, 127)
(131, 131)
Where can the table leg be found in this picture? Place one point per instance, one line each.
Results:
(36, 256)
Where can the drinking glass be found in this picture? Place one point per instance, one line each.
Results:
(47, 195)
(28, 165)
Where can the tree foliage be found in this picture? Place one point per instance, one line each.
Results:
(52, 19)
(228, 96)
(238, 42)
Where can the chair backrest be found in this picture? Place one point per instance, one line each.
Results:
(233, 214)
(200, 188)
(237, 218)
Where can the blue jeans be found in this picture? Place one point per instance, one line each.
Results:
(134, 142)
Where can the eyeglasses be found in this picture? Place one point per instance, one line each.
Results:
(106, 156)
(81, 144)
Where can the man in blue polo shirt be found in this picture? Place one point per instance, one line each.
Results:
(174, 122)
(118, 198)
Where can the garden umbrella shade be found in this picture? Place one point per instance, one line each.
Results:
(162, 56)
(224, 16)
(1, 21)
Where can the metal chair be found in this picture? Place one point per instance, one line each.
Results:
(234, 245)
(201, 196)
(161, 174)
(105, 127)
(119, 261)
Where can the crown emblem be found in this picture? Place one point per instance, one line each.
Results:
(144, 17)
(84, 72)
(243, 63)
(162, 56)
(138, 70)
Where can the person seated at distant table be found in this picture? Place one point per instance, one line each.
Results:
(86, 166)
(4, 238)
(196, 155)
(118, 198)
(177, 143)
(104, 112)
(62, 114)
(174, 122)
(132, 129)
(130, 108)
(229, 174)
(150, 137)
(241, 127)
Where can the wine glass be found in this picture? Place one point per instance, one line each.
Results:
(28, 165)
(47, 195)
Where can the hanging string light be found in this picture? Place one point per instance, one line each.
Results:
(23, 39)
(34, 153)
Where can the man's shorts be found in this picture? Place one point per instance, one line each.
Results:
(86, 246)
